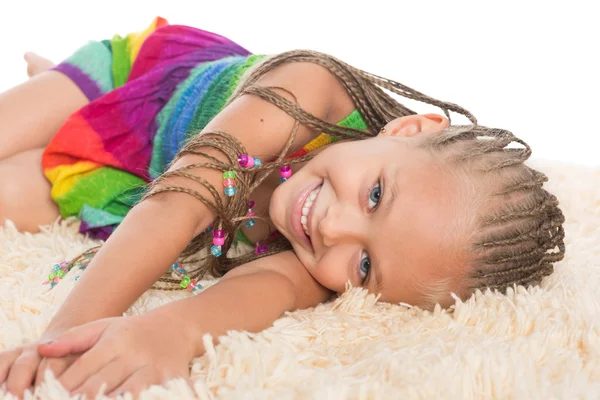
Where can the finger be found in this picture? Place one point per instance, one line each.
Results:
(140, 380)
(7, 358)
(22, 372)
(76, 340)
(56, 365)
(85, 366)
(112, 375)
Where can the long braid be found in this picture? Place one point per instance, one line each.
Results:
(518, 233)
(509, 245)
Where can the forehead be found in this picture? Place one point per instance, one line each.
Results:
(418, 237)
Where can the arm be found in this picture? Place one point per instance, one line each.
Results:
(157, 230)
(249, 298)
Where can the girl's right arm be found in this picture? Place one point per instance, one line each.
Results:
(157, 230)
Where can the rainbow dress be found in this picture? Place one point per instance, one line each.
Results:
(149, 93)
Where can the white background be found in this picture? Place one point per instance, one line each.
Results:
(529, 67)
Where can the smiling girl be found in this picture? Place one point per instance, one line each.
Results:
(287, 176)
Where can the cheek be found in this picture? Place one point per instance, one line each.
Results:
(332, 270)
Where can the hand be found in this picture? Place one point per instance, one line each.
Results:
(20, 366)
(127, 354)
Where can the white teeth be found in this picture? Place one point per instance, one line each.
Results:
(306, 208)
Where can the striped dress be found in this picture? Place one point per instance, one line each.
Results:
(149, 93)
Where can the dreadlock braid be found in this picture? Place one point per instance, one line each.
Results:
(518, 233)
(518, 223)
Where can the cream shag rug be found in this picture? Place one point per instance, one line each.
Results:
(536, 343)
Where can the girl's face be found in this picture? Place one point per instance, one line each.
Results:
(378, 213)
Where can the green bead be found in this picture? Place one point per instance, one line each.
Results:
(228, 174)
(51, 276)
(185, 282)
(61, 274)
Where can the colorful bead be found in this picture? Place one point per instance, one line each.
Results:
(216, 251)
(250, 214)
(228, 174)
(243, 160)
(56, 279)
(64, 265)
(197, 288)
(260, 248)
(61, 274)
(175, 266)
(56, 268)
(282, 179)
(251, 204)
(192, 284)
(286, 174)
(51, 276)
(181, 271)
(257, 162)
(230, 191)
(229, 182)
(250, 162)
(250, 223)
(218, 241)
(219, 233)
(185, 282)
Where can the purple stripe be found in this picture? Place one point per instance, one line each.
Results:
(87, 85)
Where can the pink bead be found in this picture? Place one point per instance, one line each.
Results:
(56, 279)
(285, 168)
(285, 174)
(250, 163)
(193, 283)
(217, 241)
(260, 248)
(243, 160)
(228, 182)
(250, 214)
(251, 204)
(219, 233)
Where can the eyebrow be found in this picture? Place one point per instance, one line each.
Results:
(391, 187)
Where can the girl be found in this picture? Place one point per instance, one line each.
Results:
(362, 192)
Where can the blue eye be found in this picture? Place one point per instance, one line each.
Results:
(374, 196)
(364, 266)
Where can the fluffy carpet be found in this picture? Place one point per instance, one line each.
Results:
(534, 343)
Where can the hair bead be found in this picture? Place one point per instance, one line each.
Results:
(260, 248)
(243, 160)
(216, 251)
(229, 182)
(185, 282)
(230, 191)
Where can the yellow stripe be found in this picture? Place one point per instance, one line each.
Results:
(64, 177)
(135, 40)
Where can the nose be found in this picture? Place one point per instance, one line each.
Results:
(342, 223)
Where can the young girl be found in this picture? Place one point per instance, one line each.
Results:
(289, 176)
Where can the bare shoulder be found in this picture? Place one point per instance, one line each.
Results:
(306, 75)
(308, 291)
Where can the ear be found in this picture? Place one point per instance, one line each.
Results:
(411, 125)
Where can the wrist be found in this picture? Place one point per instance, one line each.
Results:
(180, 328)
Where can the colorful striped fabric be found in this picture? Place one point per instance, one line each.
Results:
(149, 93)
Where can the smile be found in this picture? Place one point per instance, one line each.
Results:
(307, 206)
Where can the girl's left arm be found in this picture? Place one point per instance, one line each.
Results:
(131, 353)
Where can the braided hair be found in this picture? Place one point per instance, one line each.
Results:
(512, 242)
